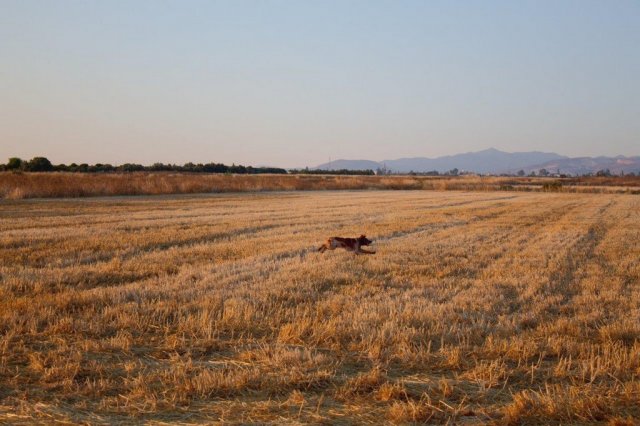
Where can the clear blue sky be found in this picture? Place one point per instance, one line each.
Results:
(292, 83)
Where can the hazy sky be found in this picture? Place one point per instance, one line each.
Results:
(292, 83)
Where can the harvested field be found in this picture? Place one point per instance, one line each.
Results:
(485, 307)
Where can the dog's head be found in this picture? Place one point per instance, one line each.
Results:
(364, 241)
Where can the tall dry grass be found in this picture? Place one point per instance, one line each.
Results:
(503, 308)
(57, 185)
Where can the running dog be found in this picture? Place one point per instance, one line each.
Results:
(349, 244)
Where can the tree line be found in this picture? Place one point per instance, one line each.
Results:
(42, 164)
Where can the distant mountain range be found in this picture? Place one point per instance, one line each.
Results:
(585, 165)
(496, 162)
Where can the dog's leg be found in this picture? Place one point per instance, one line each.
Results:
(363, 251)
(329, 245)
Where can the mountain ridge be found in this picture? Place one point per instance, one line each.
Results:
(494, 161)
(585, 165)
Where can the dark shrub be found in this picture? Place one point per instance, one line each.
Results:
(14, 163)
(39, 164)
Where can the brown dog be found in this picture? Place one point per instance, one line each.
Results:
(349, 244)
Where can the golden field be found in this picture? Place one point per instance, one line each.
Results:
(479, 307)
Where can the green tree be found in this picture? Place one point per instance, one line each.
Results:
(14, 163)
(39, 164)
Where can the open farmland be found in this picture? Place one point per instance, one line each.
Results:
(505, 307)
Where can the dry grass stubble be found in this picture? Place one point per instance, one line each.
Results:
(478, 307)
